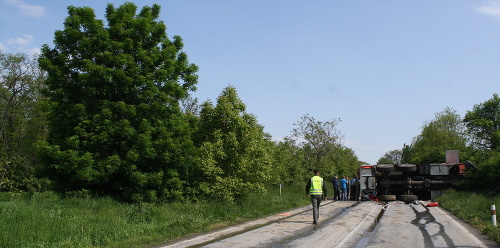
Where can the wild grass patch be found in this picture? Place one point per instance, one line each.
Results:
(474, 208)
(45, 220)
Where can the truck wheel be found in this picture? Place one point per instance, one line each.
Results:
(407, 167)
(385, 168)
(386, 197)
(408, 198)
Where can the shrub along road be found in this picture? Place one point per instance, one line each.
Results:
(348, 224)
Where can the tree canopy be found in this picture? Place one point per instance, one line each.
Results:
(22, 119)
(483, 123)
(235, 152)
(115, 126)
(320, 146)
(392, 157)
(445, 132)
(316, 138)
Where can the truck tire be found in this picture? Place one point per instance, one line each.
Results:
(385, 168)
(407, 167)
(408, 198)
(386, 197)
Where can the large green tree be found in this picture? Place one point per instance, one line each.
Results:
(316, 138)
(320, 143)
(483, 128)
(483, 124)
(235, 150)
(22, 120)
(342, 161)
(115, 125)
(445, 132)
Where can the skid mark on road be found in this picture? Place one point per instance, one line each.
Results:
(294, 216)
(344, 224)
(335, 215)
(373, 228)
(463, 229)
(217, 235)
(339, 228)
(423, 220)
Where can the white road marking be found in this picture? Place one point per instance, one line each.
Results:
(355, 229)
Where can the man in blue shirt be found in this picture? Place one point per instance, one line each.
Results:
(343, 188)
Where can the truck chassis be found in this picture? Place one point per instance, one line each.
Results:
(409, 182)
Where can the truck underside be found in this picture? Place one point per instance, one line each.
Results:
(409, 182)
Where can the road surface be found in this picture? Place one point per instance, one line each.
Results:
(348, 224)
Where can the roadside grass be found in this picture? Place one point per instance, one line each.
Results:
(473, 208)
(46, 220)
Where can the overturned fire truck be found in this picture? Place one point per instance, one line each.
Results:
(410, 182)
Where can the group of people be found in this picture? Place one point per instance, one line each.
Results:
(343, 190)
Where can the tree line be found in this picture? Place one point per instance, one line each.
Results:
(107, 111)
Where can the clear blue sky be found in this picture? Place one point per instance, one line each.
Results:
(383, 67)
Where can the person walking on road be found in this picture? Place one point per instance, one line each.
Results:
(336, 190)
(343, 189)
(316, 189)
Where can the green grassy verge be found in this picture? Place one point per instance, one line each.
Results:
(473, 208)
(45, 220)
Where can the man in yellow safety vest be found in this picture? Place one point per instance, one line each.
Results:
(316, 189)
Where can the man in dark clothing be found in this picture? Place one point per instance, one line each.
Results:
(354, 188)
(336, 190)
(316, 189)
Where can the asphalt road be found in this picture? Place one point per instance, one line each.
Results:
(348, 224)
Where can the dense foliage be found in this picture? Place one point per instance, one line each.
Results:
(234, 149)
(115, 126)
(444, 132)
(483, 124)
(22, 121)
(483, 127)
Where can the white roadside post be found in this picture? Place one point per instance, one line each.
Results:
(493, 215)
